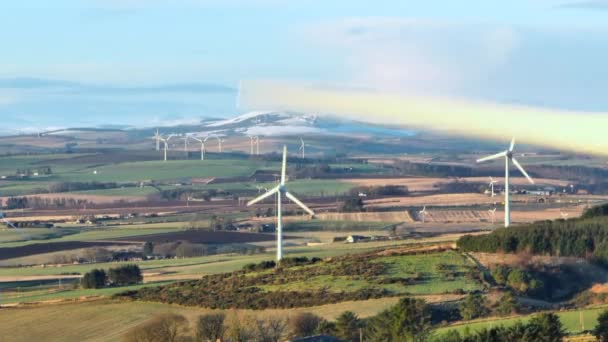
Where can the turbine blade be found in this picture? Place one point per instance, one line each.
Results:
(521, 169)
(494, 156)
(299, 203)
(264, 196)
(284, 165)
(512, 146)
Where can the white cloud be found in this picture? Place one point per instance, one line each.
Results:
(412, 54)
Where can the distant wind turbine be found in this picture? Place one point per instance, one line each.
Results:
(280, 191)
(493, 214)
(303, 148)
(563, 215)
(423, 214)
(219, 143)
(166, 144)
(202, 141)
(157, 138)
(257, 144)
(492, 182)
(253, 139)
(508, 155)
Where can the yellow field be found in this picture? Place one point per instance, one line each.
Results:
(395, 217)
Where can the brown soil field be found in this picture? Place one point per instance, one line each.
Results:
(40, 248)
(435, 200)
(427, 184)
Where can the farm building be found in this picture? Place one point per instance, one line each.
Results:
(356, 238)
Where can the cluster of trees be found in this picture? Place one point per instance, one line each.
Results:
(544, 327)
(404, 167)
(586, 237)
(352, 204)
(186, 249)
(82, 186)
(475, 305)
(376, 191)
(45, 203)
(517, 279)
(118, 276)
(458, 186)
(43, 170)
(186, 193)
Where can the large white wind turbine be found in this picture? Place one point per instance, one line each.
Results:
(280, 191)
(166, 143)
(253, 139)
(202, 141)
(508, 155)
(303, 148)
(219, 143)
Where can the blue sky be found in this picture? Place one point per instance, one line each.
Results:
(95, 62)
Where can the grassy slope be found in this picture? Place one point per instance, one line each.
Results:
(570, 320)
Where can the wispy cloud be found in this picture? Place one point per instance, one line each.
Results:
(413, 54)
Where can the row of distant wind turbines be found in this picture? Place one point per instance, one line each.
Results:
(254, 144)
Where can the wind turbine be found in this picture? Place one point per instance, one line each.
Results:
(202, 141)
(280, 191)
(166, 143)
(253, 139)
(186, 144)
(423, 214)
(492, 182)
(303, 148)
(219, 143)
(508, 155)
(157, 138)
(257, 144)
(563, 215)
(493, 213)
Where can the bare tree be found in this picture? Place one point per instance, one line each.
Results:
(271, 328)
(163, 328)
(210, 327)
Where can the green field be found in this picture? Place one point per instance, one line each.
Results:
(423, 265)
(570, 320)
(12, 238)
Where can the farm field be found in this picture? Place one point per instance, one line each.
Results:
(428, 183)
(570, 320)
(90, 320)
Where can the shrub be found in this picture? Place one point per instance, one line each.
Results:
(304, 324)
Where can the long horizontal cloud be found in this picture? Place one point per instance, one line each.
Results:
(567, 130)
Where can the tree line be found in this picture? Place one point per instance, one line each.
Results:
(585, 237)
(117, 276)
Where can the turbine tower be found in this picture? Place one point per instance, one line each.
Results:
(508, 155)
(257, 144)
(186, 145)
(492, 182)
(280, 191)
(303, 148)
(202, 141)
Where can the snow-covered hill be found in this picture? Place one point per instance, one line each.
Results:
(268, 123)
